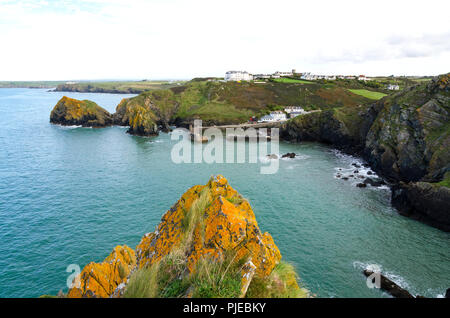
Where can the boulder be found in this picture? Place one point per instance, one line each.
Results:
(361, 185)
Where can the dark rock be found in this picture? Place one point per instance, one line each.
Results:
(447, 293)
(288, 155)
(389, 286)
(356, 171)
(361, 185)
(369, 173)
(344, 178)
(426, 202)
(272, 156)
(373, 182)
(356, 165)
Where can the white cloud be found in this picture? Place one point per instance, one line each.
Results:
(182, 39)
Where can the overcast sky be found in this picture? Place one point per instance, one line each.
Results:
(162, 39)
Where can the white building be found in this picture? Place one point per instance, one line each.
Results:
(273, 117)
(292, 109)
(238, 76)
(393, 87)
(363, 78)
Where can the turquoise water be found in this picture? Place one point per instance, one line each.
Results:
(68, 195)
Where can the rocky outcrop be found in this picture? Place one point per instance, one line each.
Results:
(209, 223)
(405, 137)
(427, 202)
(102, 279)
(147, 113)
(69, 111)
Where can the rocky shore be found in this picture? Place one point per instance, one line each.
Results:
(404, 137)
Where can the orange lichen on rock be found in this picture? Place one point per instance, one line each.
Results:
(69, 111)
(211, 223)
(102, 279)
(227, 225)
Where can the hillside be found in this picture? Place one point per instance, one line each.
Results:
(207, 245)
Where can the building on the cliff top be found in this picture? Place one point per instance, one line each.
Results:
(238, 76)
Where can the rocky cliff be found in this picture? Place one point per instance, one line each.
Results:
(69, 111)
(405, 137)
(207, 245)
(146, 113)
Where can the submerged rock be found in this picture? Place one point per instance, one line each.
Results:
(361, 185)
(69, 111)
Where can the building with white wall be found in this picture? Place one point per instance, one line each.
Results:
(238, 76)
(273, 116)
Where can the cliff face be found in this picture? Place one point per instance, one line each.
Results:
(147, 112)
(69, 111)
(345, 127)
(207, 245)
(405, 137)
(410, 135)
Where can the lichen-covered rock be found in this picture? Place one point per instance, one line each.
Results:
(229, 225)
(144, 114)
(69, 111)
(102, 279)
(209, 223)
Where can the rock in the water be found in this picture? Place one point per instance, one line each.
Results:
(69, 111)
(374, 182)
(447, 293)
(389, 286)
(145, 112)
(288, 155)
(361, 185)
(272, 156)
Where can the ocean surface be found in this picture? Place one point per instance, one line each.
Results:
(68, 195)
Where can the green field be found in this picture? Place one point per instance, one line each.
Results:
(291, 80)
(368, 94)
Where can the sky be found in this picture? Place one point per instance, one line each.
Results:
(175, 39)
